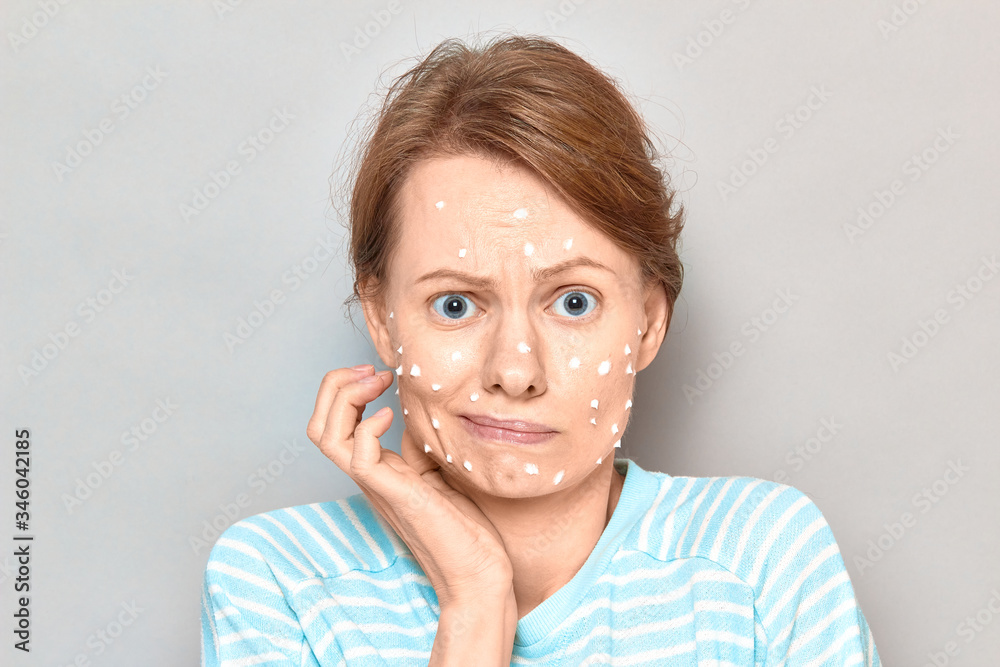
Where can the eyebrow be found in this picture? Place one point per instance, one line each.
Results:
(538, 274)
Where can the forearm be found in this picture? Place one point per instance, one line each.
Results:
(477, 632)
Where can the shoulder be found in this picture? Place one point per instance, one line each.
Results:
(746, 525)
(301, 542)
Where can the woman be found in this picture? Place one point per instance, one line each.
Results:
(515, 255)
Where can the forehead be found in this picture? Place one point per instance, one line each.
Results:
(491, 211)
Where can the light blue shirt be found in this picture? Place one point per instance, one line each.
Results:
(689, 571)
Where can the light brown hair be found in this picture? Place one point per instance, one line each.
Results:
(522, 100)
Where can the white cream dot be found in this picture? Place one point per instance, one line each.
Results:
(468, 466)
(399, 369)
(390, 314)
(629, 369)
(531, 468)
(440, 205)
(614, 429)
(461, 253)
(558, 477)
(628, 350)
(628, 404)
(435, 387)
(434, 422)
(574, 362)
(638, 332)
(604, 368)
(618, 443)
(567, 244)
(593, 420)
(521, 213)
(528, 248)
(448, 458)
(400, 349)
(474, 397)
(397, 391)
(456, 355)
(427, 448)
(522, 347)
(593, 403)
(405, 412)
(414, 370)
(599, 460)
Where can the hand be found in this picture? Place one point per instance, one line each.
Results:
(457, 547)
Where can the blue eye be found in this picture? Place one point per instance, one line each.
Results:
(454, 306)
(578, 303)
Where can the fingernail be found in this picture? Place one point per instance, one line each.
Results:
(363, 367)
(369, 378)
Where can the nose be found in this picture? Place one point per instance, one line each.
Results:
(512, 362)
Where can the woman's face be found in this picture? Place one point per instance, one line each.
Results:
(503, 303)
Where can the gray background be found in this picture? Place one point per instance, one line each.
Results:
(223, 72)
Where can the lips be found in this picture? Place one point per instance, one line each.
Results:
(513, 431)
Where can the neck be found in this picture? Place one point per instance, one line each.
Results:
(549, 538)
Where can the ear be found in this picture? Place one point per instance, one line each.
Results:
(378, 321)
(656, 313)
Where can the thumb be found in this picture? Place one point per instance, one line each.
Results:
(414, 454)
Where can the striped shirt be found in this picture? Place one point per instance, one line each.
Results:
(689, 571)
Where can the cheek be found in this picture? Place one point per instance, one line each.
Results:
(433, 369)
(597, 381)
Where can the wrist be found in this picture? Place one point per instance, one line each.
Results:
(476, 630)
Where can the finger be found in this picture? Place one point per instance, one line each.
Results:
(370, 466)
(345, 414)
(367, 452)
(328, 388)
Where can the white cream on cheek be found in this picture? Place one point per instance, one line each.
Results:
(434, 387)
(613, 388)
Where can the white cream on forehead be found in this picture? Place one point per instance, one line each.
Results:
(440, 205)
(528, 249)
(521, 213)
